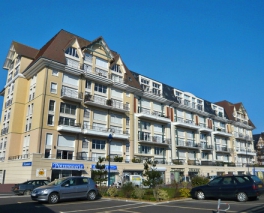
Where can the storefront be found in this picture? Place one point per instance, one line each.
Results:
(177, 175)
(60, 170)
(113, 173)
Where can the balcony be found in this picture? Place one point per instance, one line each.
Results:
(96, 101)
(152, 115)
(4, 131)
(244, 151)
(204, 128)
(223, 149)
(178, 161)
(160, 161)
(186, 143)
(117, 105)
(73, 63)
(120, 134)
(185, 103)
(8, 103)
(144, 137)
(185, 123)
(18, 157)
(221, 131)
(205, 146)
(210, 163)
(71, 94)
(69, 127)
(194, 162)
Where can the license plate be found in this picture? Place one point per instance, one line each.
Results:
(260, 186)
(33, 194)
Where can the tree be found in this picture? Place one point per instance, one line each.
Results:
(100, 174)
(152, 176)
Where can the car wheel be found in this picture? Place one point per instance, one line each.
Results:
(53, 198)
(27, 192)
(200, 195)
(91, 195)
(242, 197)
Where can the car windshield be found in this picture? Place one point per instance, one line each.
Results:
(57, 182)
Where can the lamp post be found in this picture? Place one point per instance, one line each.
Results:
(110, 137)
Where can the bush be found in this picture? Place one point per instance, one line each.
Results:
(127, 189)
(199, 180)
(138, 193)
(112, 191)
(162, 194)
(184, 192)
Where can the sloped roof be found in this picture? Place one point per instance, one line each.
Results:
(24, 50)
(54, 50)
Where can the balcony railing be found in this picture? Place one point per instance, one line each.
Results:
(72, 93)
(95, 99)
(205, 146)
(144, 136)
(72, 124)
(97, 128)
(178, 161)
(150, 112)
(101, 72)
(210, 163)
(73, 63)
(223, 149)
(4, 131)
(220, 129)
(193, 162)
(2, 158)
(19, 157)
(186, 143)
(160, 161)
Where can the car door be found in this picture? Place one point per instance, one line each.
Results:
(212, 189)
(68, 189)
(81, 186)
(228, 187)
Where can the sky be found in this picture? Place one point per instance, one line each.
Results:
(213, 49)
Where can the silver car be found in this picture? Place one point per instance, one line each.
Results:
(66, 188)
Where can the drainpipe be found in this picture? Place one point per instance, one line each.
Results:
(43, 108)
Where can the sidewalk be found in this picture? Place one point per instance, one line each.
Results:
(4, 188)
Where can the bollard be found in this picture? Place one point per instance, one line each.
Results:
(219, 204)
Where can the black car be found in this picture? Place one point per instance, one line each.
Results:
(27, 187)
(240, 187)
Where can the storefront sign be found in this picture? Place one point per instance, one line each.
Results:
(112, 167)
(27, 164)
(193, 170)
(67, 166)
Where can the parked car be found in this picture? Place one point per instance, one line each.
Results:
(66, 188)
(27, 187)
(240, 187)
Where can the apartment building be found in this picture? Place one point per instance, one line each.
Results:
(75, 100)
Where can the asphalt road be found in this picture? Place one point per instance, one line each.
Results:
(24, 204)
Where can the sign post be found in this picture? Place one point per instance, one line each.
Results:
(110, 137)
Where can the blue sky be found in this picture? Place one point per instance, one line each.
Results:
(211, 48)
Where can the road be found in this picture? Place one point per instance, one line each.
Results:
(24, 204)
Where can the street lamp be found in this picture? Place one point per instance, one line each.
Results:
(110, 137)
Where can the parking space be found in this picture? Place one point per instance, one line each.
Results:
(24, 204)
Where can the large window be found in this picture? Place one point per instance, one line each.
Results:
(52, 105)
(144, 149)
(50, 119)
(159, 151)
(116, 119)
(102, 63)
(67, 141)
(70, 79)
(100, 88)
(68, 109)
(66, 121)
(49, 139)
(144, 125)
(98, 144)
(100, 116)
(116, 68)
(72, 51)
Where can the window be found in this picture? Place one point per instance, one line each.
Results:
(102, 63)
(88, 57)
(53, 88)
(159, 151)
(70, 79)
(116, 147)
(68, 109)
(72, 51)
(87, 84)
(66, 121)
(116, 93)
(86, 113)
(52, 105)
(55, 72)
(101, 116)
(50, 119)
(49, 139)
(144, 125)
(145, 84)
(98, 144)
(144, 149)
(64, 140)
(100, 88)
(157, 128)
(84, 143)
(116, 119)
(116, 68)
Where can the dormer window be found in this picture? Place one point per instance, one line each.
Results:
(156, 88)
(72, 51)
(116, 68)
(88, 57)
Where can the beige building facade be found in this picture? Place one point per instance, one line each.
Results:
(75, 100)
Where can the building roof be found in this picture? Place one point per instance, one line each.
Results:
(24, 50)
(55, 48)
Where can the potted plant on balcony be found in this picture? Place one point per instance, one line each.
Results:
(118, 159)
(109, 102)
(87, 97)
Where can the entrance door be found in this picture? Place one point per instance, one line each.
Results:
(112, 179)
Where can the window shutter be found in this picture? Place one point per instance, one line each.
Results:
(66, 141)
(135, 105)
(172, 114)
(197, 120)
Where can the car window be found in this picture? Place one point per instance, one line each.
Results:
(256, 179)
(81, 181)
(227, 181)
(29, 182)
(45, 182)
(215, 181)
(242, 180)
